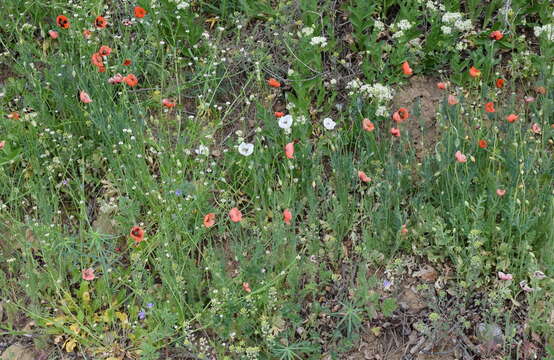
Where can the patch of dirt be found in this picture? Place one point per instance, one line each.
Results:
(421, 97)
(5, 73)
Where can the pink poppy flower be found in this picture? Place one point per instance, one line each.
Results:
(116, 79)
(85, 97)
(395, 132)
(500, 192)
(535, 128)
(367, 125)
(53, 34)
(246, 287)
(404, 229)
(505, 277)
(289, 150)
(287, 216)
(529, 99)
(88, 274)
(2, 144)
(235, 215)
(209, 220)
(363, 177)
(460, 157)
(452, 100)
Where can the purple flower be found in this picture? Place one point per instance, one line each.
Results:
(387, 284)
(141, 315)
(150, 305)
(178, 192)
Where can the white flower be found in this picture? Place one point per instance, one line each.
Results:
(202, 150)
(285, 122)
(380, 26)
(381, 111)
(463, 25)
(447, 30)
(547, 30)
(404, 24)
(307, 31)
(319, 40)
(329, 124)
(398, 34)
(449, 18)
(246, 149)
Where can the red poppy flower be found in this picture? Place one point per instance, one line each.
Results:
(131, 80)
(489, 107)
(512, 118)
(474, 72)
(235, 215)
(496, 35)
(279, 114)
(137, 233)
(14, 115)
(483, 144)
(287, 216)
(140, 12)
(273, 83)
(499, 83)
(442, 85)
(127, 62)
(289, 150)
(395, 132)
(168, 103)
(62, 21)
(367, 125)
(105, 50)
(406, 68)
(100, 22)
(209, 220)
(97, 60)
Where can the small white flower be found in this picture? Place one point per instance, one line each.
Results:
(329, 124)
(307, 31)
(202, 150)
(446, 30)
(246, 149)
(319, 40)
(285, 122)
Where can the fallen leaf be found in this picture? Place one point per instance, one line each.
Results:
(70, 345)
(18, 352)
(427, 273)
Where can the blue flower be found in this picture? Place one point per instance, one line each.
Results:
(141, 315)
(150, 305)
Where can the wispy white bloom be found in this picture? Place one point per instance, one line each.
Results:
(202, 150)
(285, 122)
(246, 149)
(329, 124)
(319, 40)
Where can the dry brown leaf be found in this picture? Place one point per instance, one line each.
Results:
(18, 352)
(427, 273)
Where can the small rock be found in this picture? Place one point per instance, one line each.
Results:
(427, 273)
(18, 352)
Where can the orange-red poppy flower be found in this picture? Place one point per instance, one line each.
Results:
(14, 115)
(489, 107)
(287, 216)
(499, 83)
(235, 215)
(140, 12)
(512, 118)
(131, 80)
(105, 50)
(279, 114)
(62, 21)
(363, 177)
(100, 22)
(168, 103)
(474, 72)
(289, 150)
(273, 83)
(395, 132)
(483, 144)
(137, 233)
(367, 125)
(97, 60)
(442, 85)
(127, 62)
(209, 220)
(406, 68)
(401, 115)
(496, 35)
